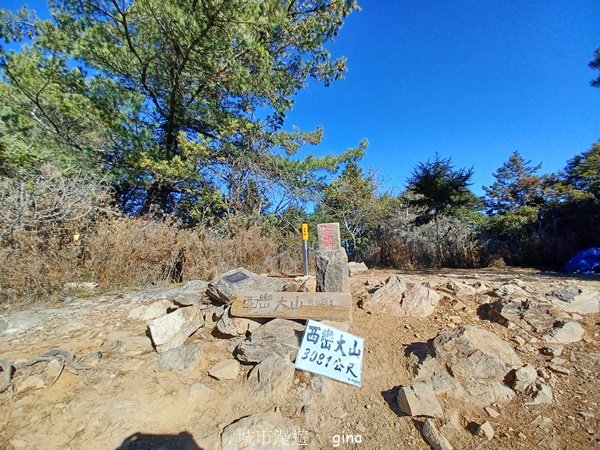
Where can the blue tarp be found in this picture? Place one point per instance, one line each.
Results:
(586, 261)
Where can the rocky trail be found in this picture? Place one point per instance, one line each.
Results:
(498, 359)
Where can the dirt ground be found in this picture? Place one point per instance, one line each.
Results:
(111, 393)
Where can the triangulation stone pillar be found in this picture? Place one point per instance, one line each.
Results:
(331, 260)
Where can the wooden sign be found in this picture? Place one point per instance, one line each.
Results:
(335, 306)
(329, 236)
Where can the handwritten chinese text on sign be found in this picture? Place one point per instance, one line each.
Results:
(328, 351)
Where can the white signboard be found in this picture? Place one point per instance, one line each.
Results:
(331, 352)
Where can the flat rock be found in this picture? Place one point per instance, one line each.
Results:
(20, 321)
(180, 358)
(434, 437)
(485, 430)
(574, 300)
(542, 396)
(125, 342)
(202, 393)
(229, 326)
(527, 313)
(172, 330)
(419, 399)
(565, 333)
(354, 268)
(402, 298)
(266, 431)
(278, 337)
(150, 312)
(221, 289)
(225, 370)
(273, 375)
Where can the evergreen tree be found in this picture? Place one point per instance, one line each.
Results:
(516, 186)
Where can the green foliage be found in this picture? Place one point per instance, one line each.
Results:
(181, 100)
(595, 64)
(440, 190)
(582, 173)
(516, 186)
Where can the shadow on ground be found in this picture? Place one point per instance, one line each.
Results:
(141, 441)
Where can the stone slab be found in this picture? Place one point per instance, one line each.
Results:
(336, 306)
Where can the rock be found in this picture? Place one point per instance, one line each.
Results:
(222, 288)
(332, 270)
(20, 321)
(338, 413)
(527, 313)
(198, 286)
(565, 333)
(511, 289)
(84, 286)
(201, 393)
(469, 363)
(355, 268)
(230, 326)
(419, 400)
(6, 371)
(402, 299)
(180, 358)
(524, 377)
(492, 412)
(190, 294)
(559, 369)
(434, 438)
(552, 350)
(459, 289)
(29, 383)
(172, 330)
(145, 313)
(273, 375)
(542, 396)
(54, 369)
(485, 430)
(124, 342)
(574, 300)
(225, 370)
(132, 365)
(278, 337)
(266, 431)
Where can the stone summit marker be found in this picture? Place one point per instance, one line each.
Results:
(331, 260)
(335, 306)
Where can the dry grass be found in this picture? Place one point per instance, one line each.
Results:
(127, 252)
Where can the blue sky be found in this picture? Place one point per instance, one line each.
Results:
(472, 80)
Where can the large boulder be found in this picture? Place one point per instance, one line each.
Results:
(528, 313)
(402, 298)
(229, 326)
(572, 299)
(277, 337)
(172, 330)
(565, 333)
(470, 363)
(222, 288)
(274, 375)
(332, 270)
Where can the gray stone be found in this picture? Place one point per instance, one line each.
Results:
(527, 313)
(401, 299)
(20, 321)
(486, 431)
(460, 289)
(225, 370)
(332, 271)
(124, 342)
(355, 268)
(470, 364)
(574, 300)
(434, 437)
(273, 375)
(172, 330)
(511, 289)
(338, 413)
(552, 350)
(524, 377)
(419, 400)
(565, 333)
(153, 311)
(80, 286)
(266, 431)
(222, 288)
(492, 412)
(180, 358)
(192, 294)
(202, 393)
(559, 369)
(230, 326)
(542, 396)
(277, 337)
